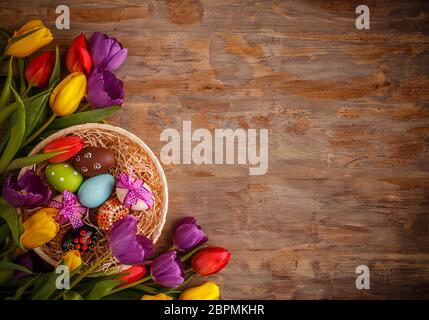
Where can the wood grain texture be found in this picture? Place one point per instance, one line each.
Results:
(347, 113)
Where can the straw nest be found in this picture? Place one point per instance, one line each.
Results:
(129, 151)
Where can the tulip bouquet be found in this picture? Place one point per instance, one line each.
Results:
(37, 99)
(148, 276)
(35, 102)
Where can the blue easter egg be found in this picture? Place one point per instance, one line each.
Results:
(96, 190)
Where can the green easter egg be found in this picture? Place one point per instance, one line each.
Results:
(62, 176)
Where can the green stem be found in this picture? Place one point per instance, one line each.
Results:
(27, 90)
(21, 67)
(191, 253)
(83, 107)
(40, 130)
(10, 250)
(4, 33)
(83, 275)
(131, 285)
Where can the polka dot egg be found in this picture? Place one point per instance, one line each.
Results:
(110, 212)
(63, 176)
(82, 239)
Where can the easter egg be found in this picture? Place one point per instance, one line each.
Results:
(62, 176)
(61, 205)
(92, 161)
(83, 239)
(96, 190)
(110, 212)
(140, 204)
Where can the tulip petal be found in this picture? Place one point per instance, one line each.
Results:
(124, 244)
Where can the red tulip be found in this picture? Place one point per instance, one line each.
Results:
(40, 68)
(210, 260)
(71, 146)
(77, 57)
(132, 274)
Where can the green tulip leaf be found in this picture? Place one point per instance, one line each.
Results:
(55, 76)
(16, 134)
(4, 233)
(13, 266)
(6, 276)
(5, 33)
(102, 289)
(72, 295)
(30, 160)
(9, 214)
(21, 290)
(45, 289)
(145, 289)
(21, 69)
(6, 132)
(41, 281)
(129, 294)
(7, 111)
(36, 110)
(6, 92)
(96, 115)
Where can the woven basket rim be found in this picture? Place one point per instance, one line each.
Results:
(63, 132)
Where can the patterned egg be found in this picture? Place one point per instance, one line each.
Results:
(82, 239)
(140, 204)
(62, 176)
(92, 161)
(96, 190)
(110, 212)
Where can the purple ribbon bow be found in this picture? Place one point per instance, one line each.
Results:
(136, 190)
(69, 211)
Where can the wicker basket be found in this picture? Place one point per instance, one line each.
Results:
(129, 150)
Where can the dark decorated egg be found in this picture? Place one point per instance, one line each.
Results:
(92, 161)
(82, 239)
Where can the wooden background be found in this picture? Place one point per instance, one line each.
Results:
(347, 113)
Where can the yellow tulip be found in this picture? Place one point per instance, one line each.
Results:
(206, 291)
(66, 96)
(32, 42)
(39, 228)
(72, 259)
(159, 296)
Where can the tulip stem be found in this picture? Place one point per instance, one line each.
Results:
(10, 250)
(131, 284)
(192, 252)
(39, 131)
(27, 90)
(83, 107)
(21, 67)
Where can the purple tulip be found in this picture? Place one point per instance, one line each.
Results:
(29, 191)
(106, 53)
(167, 270)
(24, 260)
(124, 243)
(188, 234)
(104, 89)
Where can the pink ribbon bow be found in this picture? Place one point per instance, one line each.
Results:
(69, 211)
(136, 190)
